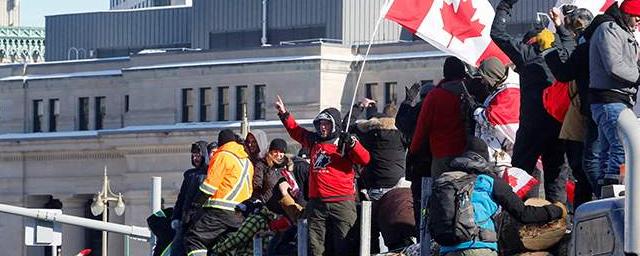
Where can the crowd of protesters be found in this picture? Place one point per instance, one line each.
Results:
(474, 127)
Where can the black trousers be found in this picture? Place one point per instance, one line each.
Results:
(583, 192)
(208, 228)
(541, 140)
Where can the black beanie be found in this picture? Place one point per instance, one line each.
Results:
(278, 144)
(225, 136)
(453, 69)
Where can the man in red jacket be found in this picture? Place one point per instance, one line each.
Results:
(440, 122)
(331, 207)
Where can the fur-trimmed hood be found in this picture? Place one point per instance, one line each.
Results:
(375, 123)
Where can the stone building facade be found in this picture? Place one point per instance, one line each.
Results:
(62, 122)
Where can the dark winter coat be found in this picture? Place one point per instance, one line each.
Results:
(266, 176)
(160, 226)
(418, 164)
(191, 181)
(301, 173)
(387, 147)
(535, 76)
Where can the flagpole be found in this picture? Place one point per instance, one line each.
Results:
(364, 61)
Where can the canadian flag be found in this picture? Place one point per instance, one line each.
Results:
(458, 27)
(497, 124)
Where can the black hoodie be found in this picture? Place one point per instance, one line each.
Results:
(191, 181)
(535, 76)
(332, 115)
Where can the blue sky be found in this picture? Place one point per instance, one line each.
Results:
(32, 12)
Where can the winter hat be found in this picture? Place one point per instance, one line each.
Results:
(478, 146)
(278, 144)
(225, 136)
(493, 71)
(631, 7)
(453, 69)
(474, 159)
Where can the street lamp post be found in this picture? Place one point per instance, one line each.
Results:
(100, 205)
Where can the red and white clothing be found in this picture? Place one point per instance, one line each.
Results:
(331, 176)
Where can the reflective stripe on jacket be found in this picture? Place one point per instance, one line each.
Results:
(229, 177)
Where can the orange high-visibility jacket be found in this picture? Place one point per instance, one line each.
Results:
(229, 178)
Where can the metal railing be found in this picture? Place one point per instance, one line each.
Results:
(629, 130)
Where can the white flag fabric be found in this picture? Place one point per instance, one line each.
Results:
(496, 124)
(458, 27)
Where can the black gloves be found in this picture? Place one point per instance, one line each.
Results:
(412, 93)
(510, 2)
(346, 142)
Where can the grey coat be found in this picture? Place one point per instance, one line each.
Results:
(613, 61)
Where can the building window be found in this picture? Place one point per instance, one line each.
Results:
(54, 112)
(223, 103)
(38, 113)
(83, 113)
(126, 103)
(100, 112)
(187, 105)
(390, 95)
(205, 104)
(370, 91)
(259, 102)
(241, 100)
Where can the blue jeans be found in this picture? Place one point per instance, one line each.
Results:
(612, 151)
(591, 155)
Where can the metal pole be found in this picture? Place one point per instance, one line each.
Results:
(54, 250)
(425, 236)
(302, 237)
(135, 231)
(365, 229)
(105, 236)
(263, 40)
(628, 129)
(156, 201)
(156, 194)
(126, 245)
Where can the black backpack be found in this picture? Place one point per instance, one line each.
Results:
(451, 220)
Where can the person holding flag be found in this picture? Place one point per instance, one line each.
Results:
(331, 210)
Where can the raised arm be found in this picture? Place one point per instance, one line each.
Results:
(296, 132)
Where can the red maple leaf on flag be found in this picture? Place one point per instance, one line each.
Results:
(513, 181)
(458, 23)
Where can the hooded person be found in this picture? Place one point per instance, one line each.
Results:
(183, 210)
(537, 135)
(331, 208)
(489, 196)
(227, 183)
